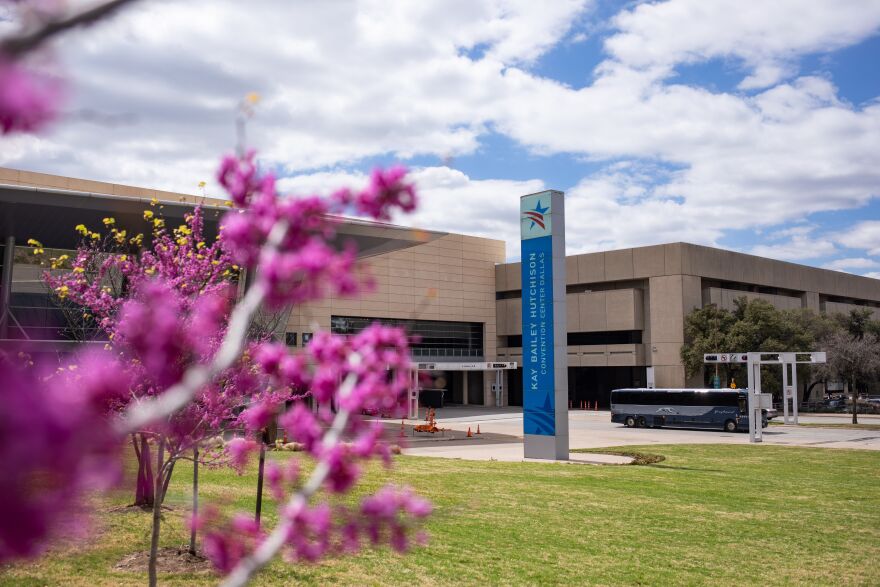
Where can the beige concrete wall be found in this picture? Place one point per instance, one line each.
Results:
(45, 180)
(732, 266)
(452, 278)
(672, 297)
(725, 298)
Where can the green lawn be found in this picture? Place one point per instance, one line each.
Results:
(706, 515)
(846, 425)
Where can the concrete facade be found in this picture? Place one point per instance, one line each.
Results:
(625, 308)
(449, 279)
(650, 290)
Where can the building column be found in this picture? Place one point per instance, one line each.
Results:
(811, 301)
(464, 387)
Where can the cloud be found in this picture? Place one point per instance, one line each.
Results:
(449, 200)
(340, 81)
(344, 82)
(864, 235)
(797, 248)
(852, 263)
(766, 36)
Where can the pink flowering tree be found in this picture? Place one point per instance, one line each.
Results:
(173, 357)
(193, 281)
(111, 267)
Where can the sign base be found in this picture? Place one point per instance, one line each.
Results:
(551, 448)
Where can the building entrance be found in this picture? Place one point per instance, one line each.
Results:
(594, 384)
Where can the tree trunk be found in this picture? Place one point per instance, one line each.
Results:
(167, 479)
(157, 513)
(855, 400)
(260, 481)
(144, 494)
(195, 512)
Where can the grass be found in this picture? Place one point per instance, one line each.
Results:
(706, 515)
(850, 425)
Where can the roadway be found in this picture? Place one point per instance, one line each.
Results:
(500, 435)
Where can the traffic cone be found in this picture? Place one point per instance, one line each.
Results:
(469, 435)
(478, 428)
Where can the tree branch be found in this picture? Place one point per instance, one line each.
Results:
(266, 551)
(178, 396)
(17, 46)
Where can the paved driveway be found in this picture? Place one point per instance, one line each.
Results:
(501, 428)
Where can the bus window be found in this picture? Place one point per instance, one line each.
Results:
(742, 405)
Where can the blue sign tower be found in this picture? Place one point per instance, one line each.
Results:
(544, 336)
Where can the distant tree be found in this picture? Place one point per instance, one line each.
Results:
(754, 325)
(854, 352)
(853, 359)
(706, 330)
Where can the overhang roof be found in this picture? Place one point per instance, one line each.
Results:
(50, 215)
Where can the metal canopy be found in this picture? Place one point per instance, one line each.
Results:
(50, 215)
(758, 400)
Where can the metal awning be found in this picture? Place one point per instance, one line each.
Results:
(50, 215)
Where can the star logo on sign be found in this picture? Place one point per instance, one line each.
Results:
(537, 215)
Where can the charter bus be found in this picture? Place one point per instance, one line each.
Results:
(726, 409)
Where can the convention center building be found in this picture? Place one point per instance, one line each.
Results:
(625, 308)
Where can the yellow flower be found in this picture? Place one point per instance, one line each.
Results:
(95, 235)
(181, 241)
(34, 242)
(153, 201)
(148, 214)
(63, 258)
(158, 223)
(79, 270)
(215, 262)
(123, 258)
(62, 291)
(202, 184)
(109, 221)
(81, 228)
(149, 271)
(228, 203)
(200, 245)
(106, 289)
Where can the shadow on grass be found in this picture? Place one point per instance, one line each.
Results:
(675, 468)
(638, 458)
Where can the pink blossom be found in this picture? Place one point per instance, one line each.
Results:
(387, 190)
(55, 444)
(240, 451)
(27, 100)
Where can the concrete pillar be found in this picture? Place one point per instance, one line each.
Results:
(810, 300)
(464, 387)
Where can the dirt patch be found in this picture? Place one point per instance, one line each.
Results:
(170, 560)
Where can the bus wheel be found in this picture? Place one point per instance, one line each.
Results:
(630, 422)
(730, 426)
(642, 422)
